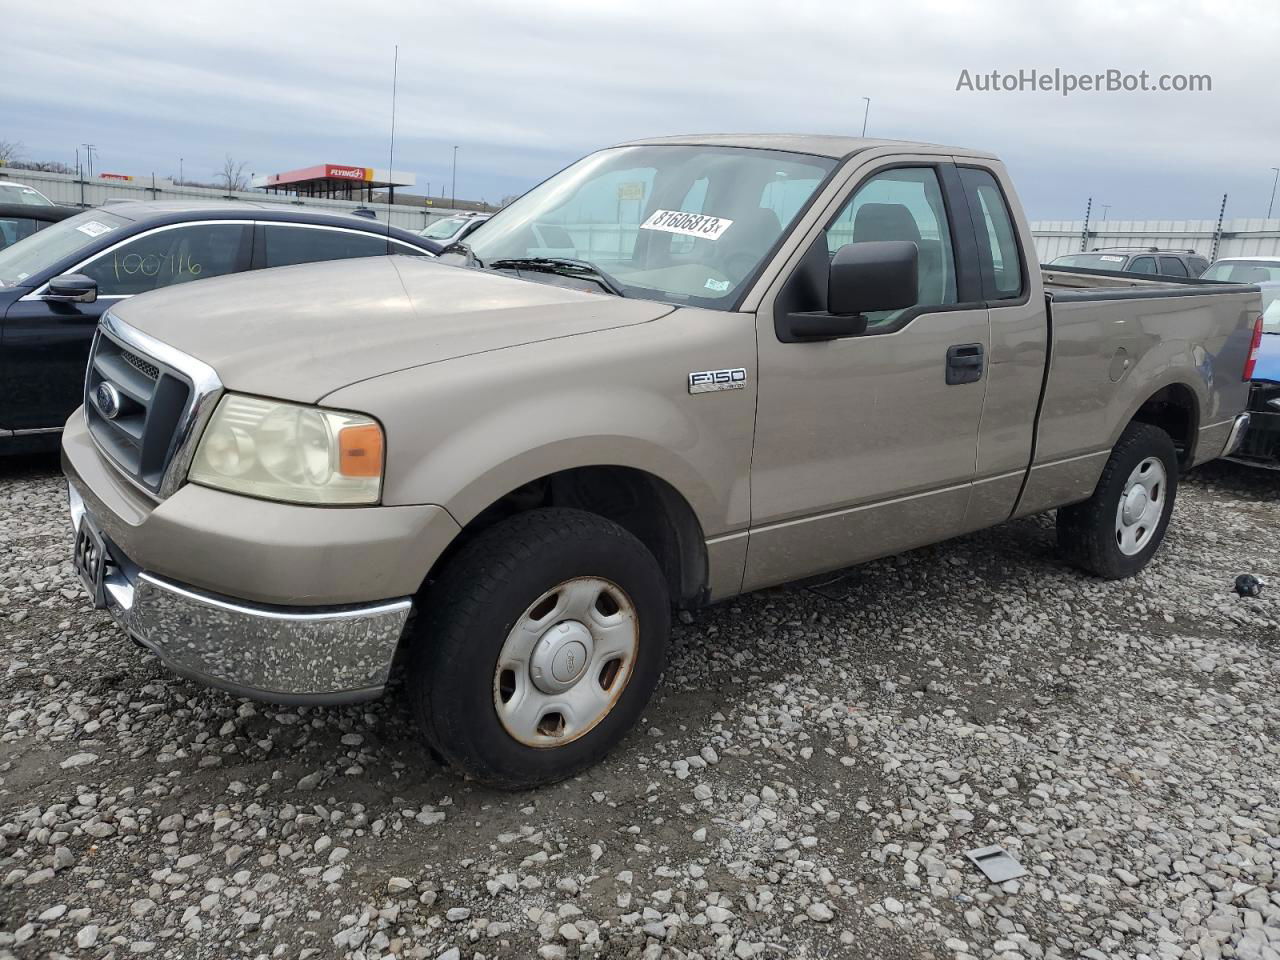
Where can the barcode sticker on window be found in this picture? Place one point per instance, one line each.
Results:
(687, 224)
(94, 229)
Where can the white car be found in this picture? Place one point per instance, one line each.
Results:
(452, 229)
(20, 193)
(1244, 270)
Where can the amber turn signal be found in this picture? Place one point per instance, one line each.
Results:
(360, 451)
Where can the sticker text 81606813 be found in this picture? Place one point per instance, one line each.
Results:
(687, 224)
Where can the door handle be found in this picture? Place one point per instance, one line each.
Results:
(964, 363)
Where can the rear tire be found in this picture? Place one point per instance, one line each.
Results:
(539, 647)
(1116, 532)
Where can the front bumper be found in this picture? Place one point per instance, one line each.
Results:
(337, 654)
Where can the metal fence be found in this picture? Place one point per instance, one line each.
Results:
(1237, 238)
(81, 191)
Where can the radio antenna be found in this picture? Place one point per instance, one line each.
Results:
(391, 159)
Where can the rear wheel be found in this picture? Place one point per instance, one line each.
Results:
(1117, 531)
(540, 645)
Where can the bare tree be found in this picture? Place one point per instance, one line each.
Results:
(10, 151)
(233, 176)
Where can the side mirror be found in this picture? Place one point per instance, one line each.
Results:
(72, 288)
(871, 276)
(862, 278)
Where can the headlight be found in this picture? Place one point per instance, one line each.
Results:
(286, 451)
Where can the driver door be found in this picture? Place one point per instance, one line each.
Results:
(863, 448)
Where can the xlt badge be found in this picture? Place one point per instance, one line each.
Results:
(708, 381)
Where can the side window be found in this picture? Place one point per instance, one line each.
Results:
(1198, 265)
(1172, 267)
(286, 245)
(165, 257)
(1143, 265)
(902, 204)
(997, 238)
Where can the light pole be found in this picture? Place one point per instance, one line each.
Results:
(453, 190)
(180, 171)
(865, 110)
(88, 156)
(1105, 207)
(1274, 181)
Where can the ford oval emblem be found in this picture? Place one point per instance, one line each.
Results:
(107, 398)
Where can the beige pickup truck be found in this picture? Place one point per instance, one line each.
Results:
(678, 370)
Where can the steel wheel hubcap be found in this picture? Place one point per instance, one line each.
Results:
(1141, 506)
(566, 662)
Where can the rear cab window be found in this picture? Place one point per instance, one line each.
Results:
(999, 255)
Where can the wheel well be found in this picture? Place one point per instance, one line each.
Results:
(649, 508)
(1174, 410)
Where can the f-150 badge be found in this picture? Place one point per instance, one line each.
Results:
(709, 381)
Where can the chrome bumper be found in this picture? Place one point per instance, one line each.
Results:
(1236, 435)
(279, 654)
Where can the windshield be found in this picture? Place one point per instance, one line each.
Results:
(38, 252)
(683, 224)
(443, 229)
(1091, 261)
(20, 193)
(1244, 271)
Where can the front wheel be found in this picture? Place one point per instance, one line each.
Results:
(540, 645)
(1117, 531)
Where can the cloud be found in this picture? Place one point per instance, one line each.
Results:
(525, 88)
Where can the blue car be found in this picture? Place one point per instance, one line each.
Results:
(56, 283)
(1261, 444)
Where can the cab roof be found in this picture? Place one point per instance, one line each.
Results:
(821, 145)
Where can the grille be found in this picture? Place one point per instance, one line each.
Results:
(151, 371)
(133, 406)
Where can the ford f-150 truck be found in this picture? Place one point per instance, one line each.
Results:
(678, 370)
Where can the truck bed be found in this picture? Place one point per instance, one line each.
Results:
(1118, 342)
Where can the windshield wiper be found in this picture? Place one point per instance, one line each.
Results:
(565, 266)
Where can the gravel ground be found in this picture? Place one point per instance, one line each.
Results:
(816, 763)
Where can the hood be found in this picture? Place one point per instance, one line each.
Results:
(1268, 365)
(299, 333)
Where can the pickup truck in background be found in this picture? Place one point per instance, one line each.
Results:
(766, 358)
(1143, 260)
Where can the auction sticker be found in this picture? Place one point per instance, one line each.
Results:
(687, 224)
(1111, 259)
(94, 229)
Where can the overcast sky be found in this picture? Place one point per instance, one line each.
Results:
(524, 88)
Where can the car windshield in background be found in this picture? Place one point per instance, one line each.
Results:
(1244, 271)
(17, 193)
(683, 224)
(41, 250)
(1091, 261)
(444, 229)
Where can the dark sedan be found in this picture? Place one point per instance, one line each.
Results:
(56, 283)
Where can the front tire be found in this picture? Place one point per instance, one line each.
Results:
(1116, 532)
(539, 647)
